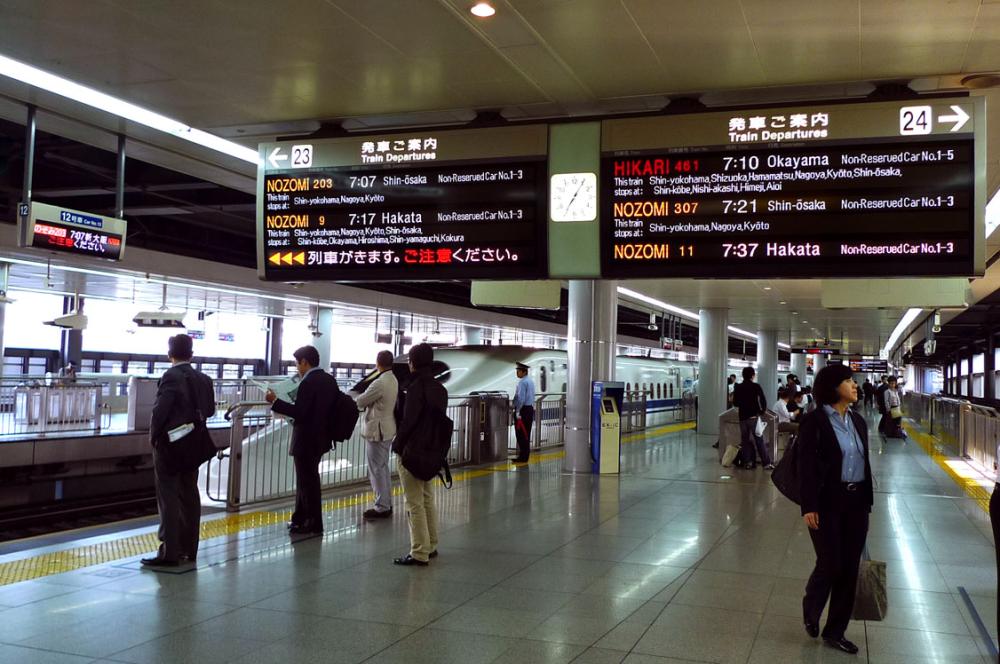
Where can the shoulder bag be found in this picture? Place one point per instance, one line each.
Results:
(189, 445)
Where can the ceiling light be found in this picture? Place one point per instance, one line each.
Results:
(782, 302)
(805, 321)
(80, 93)
(483, 10)
(767, 288)
(904, 323)
(794, 313)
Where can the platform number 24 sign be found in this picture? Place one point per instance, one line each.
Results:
(915, 120)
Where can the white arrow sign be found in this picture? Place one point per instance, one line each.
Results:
(959, 118)
(275, 157)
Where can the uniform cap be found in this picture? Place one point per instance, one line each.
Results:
(522, 366)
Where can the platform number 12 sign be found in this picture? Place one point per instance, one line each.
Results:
(915, 120)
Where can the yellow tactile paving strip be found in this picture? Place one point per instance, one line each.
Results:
(970, 485)
(68, 560)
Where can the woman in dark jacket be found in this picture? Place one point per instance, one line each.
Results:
(837, 497)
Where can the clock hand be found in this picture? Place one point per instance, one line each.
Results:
(575, 193)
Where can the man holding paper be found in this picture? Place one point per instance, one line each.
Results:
(185, 397)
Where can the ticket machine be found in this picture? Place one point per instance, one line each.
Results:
(605, 426)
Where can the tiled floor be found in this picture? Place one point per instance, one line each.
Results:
(672, 562)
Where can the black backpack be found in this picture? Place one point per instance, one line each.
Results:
(786, 474)
(426, 453)
(343, 418)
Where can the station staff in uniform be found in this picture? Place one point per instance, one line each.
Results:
(836, 491)
(311, 437)
(524, 412)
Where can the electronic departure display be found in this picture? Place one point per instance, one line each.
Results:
(465, 204)
(852, 190)
(71, 231)
(868, 365)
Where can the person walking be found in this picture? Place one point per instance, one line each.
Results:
(893, 410)
(869, 392)
(312, 437)
(423, 393)
(182, 394)
(379, 401)
(836, 499)
(749, 397)
(524, 412)
(880, 403)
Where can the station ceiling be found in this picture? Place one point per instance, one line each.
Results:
(254, 69)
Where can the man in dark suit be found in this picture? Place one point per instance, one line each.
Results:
(311, 437)
(182, 390)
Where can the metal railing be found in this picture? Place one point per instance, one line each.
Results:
(256, 467)
(634, 411)
(39, 407)
(972, 431)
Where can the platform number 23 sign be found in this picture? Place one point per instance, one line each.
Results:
(302, 156)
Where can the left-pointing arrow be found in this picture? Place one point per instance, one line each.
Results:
(275, 259)
(960, 117)
(276, 157)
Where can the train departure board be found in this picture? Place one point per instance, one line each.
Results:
(459, 204)
(844, 190)
(71, 231)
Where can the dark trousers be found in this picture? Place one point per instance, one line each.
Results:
(838, 543)
(522, 431)
(179, 505)
(750, 440)
(308, 496)
(995, 522)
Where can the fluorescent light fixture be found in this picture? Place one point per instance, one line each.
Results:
(683, 312)
(483, 10)
(904, 323)
(993, 214)
(80, 93)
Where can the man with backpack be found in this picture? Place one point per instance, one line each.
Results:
(422, 443)
(312, 436)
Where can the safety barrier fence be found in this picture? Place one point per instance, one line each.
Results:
(971, 430)
(96, 403)
(256, 467)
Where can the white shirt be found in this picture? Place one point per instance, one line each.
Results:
(780, 409)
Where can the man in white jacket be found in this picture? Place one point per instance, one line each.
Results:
(378, 401)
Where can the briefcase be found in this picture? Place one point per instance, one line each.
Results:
(871, 596)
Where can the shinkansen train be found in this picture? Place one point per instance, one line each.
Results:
(468, 369)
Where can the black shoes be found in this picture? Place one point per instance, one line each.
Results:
(433, 554)
(812, 629)
(410, 560)
(372, 514)
(305, 530)
(159, 561)
(518, 460)
(841, 644)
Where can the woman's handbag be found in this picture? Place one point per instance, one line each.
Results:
(871, 597)
(786, 474)
(729, 456)
(896, 412)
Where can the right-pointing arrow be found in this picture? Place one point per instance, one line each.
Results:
(959, 118)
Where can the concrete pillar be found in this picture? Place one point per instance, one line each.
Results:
(798, 368)
(989, 390)
(71, 344)
(969, 392)
(272, 354)
(592, 332)
(4, 276)
(323, 343)
(473, 335)
(819, 363)
(713, 355)
(767, 363)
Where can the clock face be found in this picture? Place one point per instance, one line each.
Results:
(573, 197)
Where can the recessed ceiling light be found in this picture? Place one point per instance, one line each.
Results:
(782, 302)
(805, 321)
(767, 288)
(483, 10)
(794, 312)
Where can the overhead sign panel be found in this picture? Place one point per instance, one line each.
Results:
(460, 204)
(842, 190)
(71, 231)
(816, 351)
